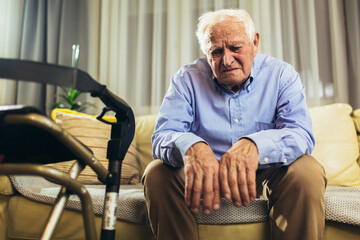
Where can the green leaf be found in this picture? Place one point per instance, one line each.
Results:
(74, 94)
(70, 96)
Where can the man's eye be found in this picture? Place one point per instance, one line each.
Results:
(216, 52)
(236, 49)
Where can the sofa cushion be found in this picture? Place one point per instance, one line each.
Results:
(145, 126)
(95, 135)
(336, 145)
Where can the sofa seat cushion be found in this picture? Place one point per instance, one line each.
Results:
(131, 201)
(341, 204)
(256, 212)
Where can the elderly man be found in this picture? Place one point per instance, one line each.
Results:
(234, 124)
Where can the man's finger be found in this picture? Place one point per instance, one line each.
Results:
(217, 198)
(251, 181)
(243, 186)
(234, 187)
(225, 189)
(189, 182)
(196, 192)
(208, 193)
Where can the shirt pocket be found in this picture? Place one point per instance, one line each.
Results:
(260, 126)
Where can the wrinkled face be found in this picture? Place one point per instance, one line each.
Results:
(231, 54)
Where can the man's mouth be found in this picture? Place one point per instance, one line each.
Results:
(229, 70)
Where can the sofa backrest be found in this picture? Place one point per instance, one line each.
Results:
(336, 144)
(144, 128)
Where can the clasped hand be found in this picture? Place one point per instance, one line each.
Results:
(233, 178)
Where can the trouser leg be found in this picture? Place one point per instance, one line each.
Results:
(296, 199)
(169, 216)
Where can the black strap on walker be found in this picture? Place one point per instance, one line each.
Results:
(122, 131)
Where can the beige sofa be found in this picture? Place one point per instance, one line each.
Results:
(337, 148)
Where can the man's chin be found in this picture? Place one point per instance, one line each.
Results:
(230, 83)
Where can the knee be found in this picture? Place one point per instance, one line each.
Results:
(307, 176)
(159, 178)
(152, 174)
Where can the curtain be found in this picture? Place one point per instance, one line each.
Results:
(43, 31)
(135, 46)
(10, 29)
(352, 18)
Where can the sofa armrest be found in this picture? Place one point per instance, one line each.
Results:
(6, 187)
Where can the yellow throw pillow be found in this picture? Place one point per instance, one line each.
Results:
(95, 135)
(336, 145)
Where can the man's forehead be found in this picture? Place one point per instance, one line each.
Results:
(232, 31)
(229, 24)
(234, 39)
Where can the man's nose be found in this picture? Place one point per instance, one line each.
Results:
(228, 58)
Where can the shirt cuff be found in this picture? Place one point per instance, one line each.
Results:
(185, 141)
(266, 148)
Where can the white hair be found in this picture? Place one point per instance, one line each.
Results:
(209, 19)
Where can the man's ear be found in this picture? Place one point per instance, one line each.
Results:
(256, 42)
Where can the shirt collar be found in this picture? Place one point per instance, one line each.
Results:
(247, 86)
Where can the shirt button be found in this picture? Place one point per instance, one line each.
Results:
(266, 159)
(234, 96)
(285, 160)
(236, 120)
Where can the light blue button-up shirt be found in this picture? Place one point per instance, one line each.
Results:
(270, 109)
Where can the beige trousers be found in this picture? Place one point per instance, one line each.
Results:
(295, 194)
